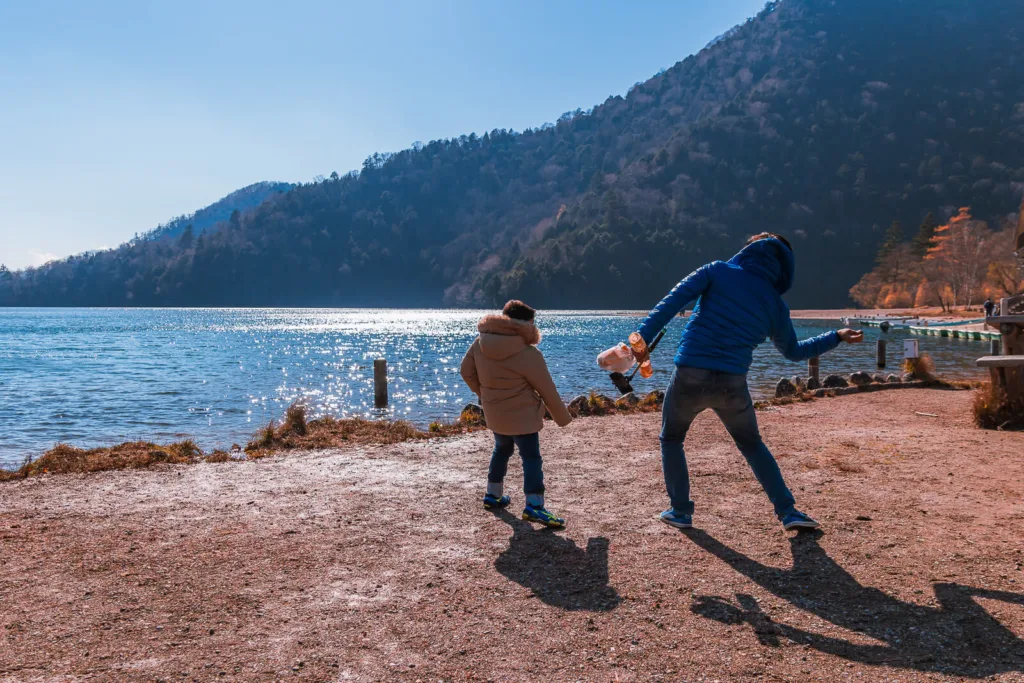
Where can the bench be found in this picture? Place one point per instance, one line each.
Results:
(1007, 370)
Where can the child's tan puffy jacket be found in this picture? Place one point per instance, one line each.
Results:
(507, 371)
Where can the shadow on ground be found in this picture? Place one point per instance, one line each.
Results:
(957, 637)
(558, 571)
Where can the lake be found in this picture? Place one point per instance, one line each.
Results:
(100, 376)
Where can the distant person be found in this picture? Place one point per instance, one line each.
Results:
(507, 371)
(739, 305)
(989, 307)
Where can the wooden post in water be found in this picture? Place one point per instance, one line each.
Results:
(380, 383)
(813, 365)
(880, 353)
(997, 347)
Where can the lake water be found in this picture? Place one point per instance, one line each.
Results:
(100, 376)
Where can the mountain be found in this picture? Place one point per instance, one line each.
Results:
(248, 197)
(819, 119)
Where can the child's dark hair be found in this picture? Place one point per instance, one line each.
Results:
(770, 235)
(517, 310)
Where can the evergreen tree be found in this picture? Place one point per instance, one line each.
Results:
(187, 238)
(893, 238)
(923, 239)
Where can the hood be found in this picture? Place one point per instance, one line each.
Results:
(502, 337)
(769, 259)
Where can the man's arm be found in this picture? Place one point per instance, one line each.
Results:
(468, 371)
(691, 287)
(785, 340)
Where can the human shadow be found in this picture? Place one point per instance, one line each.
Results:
(558, 571)
(957, 637)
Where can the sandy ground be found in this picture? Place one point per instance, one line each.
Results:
(379, 564)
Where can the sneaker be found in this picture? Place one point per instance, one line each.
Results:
(798, 520)
(492, 502)
(677, 519)
(541, 515)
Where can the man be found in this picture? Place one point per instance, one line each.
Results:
(739, 305)
(989, 307)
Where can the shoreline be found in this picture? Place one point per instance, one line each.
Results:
(333, 565)
(294, 433)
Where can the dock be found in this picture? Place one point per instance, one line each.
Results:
(976, 332)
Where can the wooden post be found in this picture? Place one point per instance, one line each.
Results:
(1013, 377)
(380, 383)
(996, 347)
(813, 365)
(880, 353)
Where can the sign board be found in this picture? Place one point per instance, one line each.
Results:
(910, 348)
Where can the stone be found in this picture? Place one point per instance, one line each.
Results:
(798, 382)
(878, 377)
(656, 397)
(835, 382)
(813, 383)
(893, 379)
(472, 414)
(579, 406)
(600, 404)
(628, 402)
(784, 388)
(860, 379)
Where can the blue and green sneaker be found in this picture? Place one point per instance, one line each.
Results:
(539, 514)
(492, 502)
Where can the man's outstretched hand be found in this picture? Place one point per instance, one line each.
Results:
(851, 336)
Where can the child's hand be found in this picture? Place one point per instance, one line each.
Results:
(851, 336)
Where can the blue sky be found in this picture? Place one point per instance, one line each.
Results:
(118, 115)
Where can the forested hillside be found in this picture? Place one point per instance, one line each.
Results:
(821, 119)
(249, 197)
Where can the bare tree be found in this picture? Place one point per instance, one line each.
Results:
(959, 256)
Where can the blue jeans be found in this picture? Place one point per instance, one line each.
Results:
(693, 390)
(529, 451)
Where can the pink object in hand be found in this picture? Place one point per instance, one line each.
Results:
(619, 358)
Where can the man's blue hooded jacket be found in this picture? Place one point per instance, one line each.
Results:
(739, 305)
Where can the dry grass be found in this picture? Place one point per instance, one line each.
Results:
(296, 433)
(599, 404)
(65, 459)
(993, 409)
(471, 418)
(922, 368)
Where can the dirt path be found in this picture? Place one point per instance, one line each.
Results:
(378, 563)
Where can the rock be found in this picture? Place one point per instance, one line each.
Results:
(907, 377)
(472, 414)
(579, 406)
(893, 379)
(656, 397)
(813, 384)
(798, 382)
(878, 377)
(628, 402)
(860, 379)
(600, 404)
(835, 382)
(784, 388)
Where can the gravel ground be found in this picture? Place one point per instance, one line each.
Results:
(377, 563)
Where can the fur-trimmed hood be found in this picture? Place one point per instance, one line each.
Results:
(502, 337)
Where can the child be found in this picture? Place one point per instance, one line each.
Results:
(739, 305)
(507, 371)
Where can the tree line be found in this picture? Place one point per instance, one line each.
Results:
(955, 264)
